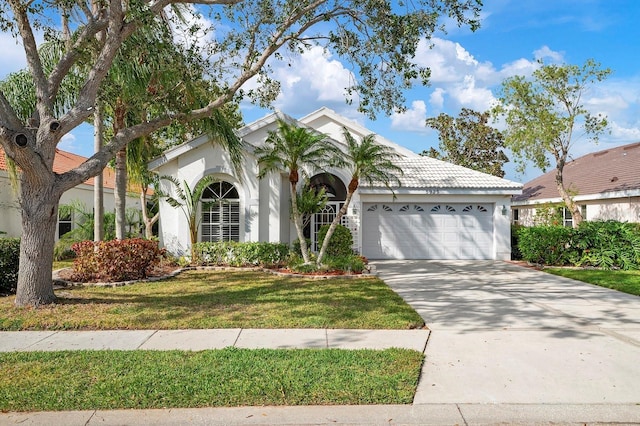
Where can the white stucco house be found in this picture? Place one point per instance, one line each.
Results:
(440, 211)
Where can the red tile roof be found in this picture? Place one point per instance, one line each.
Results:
(65, 161)
(609, 170)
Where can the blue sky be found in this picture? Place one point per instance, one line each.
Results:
(467, 69)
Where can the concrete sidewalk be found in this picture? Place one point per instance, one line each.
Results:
(198, 340)
(364, 415)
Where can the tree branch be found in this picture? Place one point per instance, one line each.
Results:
(44, 104)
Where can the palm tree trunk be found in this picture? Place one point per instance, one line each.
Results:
(98, 183)
(120, 193)
(333, 226)
(297, 221)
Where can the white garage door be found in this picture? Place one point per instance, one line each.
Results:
(427, 231)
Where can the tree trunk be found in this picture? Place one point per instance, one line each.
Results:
(333, 226)
(98, 185)
(39, 219)
(148, 221)
(297, 221)
(576, 214)
(120, 193)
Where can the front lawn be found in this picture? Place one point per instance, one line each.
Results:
(625, 281)
(220, 299)
(83, 380)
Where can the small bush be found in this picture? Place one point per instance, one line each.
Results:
(349, 264)
(117, 260)
(9, 264)
(295, 246)
(241, 254)
(341, 243)
(609, 244)
(515, 250)
(547, 245)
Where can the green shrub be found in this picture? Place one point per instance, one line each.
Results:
(341, 243)
(515, 250)
(609, 244)
(295, 246)
(9, 263)
(548, 245)
(232, 253)
(117, 260)
(349, 264)
(604, 244)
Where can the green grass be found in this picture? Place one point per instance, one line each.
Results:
(625, 281)
(59, 264)
(223, 299)
(81, 380)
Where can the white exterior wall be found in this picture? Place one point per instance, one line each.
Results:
(619, 209)
(10, 216)
(209, 160)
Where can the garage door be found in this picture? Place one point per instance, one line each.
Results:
(427, 231)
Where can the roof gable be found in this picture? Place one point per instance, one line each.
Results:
(610, 170)
(330, 122)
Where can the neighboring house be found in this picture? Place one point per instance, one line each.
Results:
(10, 217)
(605, 184)
(441, 211)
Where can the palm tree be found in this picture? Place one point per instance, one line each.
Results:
(366, 160)
(188, 200)
(294, 150)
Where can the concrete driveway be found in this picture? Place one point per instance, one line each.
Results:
(506, 334)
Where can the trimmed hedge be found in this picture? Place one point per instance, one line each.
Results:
(9, 263)
(231, 253)
(605, 244)
(341, 243)
(116, 260)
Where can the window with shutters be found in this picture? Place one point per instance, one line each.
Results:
(220, 213)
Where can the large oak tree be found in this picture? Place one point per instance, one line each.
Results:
(379, 38)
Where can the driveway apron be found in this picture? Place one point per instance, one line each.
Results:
(503, 333)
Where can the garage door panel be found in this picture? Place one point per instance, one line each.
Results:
(427, 231)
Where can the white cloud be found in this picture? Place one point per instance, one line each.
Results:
(413, 119)
(468, 94)
(546, 53)
(437, 98)
(310, 81)
(626, 134)
(68, 143)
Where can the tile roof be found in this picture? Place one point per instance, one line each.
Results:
(427, 172)
(609, 170)
(65, 161)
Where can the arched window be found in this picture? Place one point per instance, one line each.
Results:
(220, 213)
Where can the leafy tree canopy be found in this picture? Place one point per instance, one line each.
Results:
(469, 141)
(543, 114)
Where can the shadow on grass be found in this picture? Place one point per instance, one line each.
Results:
(224, 299)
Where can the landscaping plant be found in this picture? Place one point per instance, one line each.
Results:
(9, 263)
(117, 260)
(603, 244)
